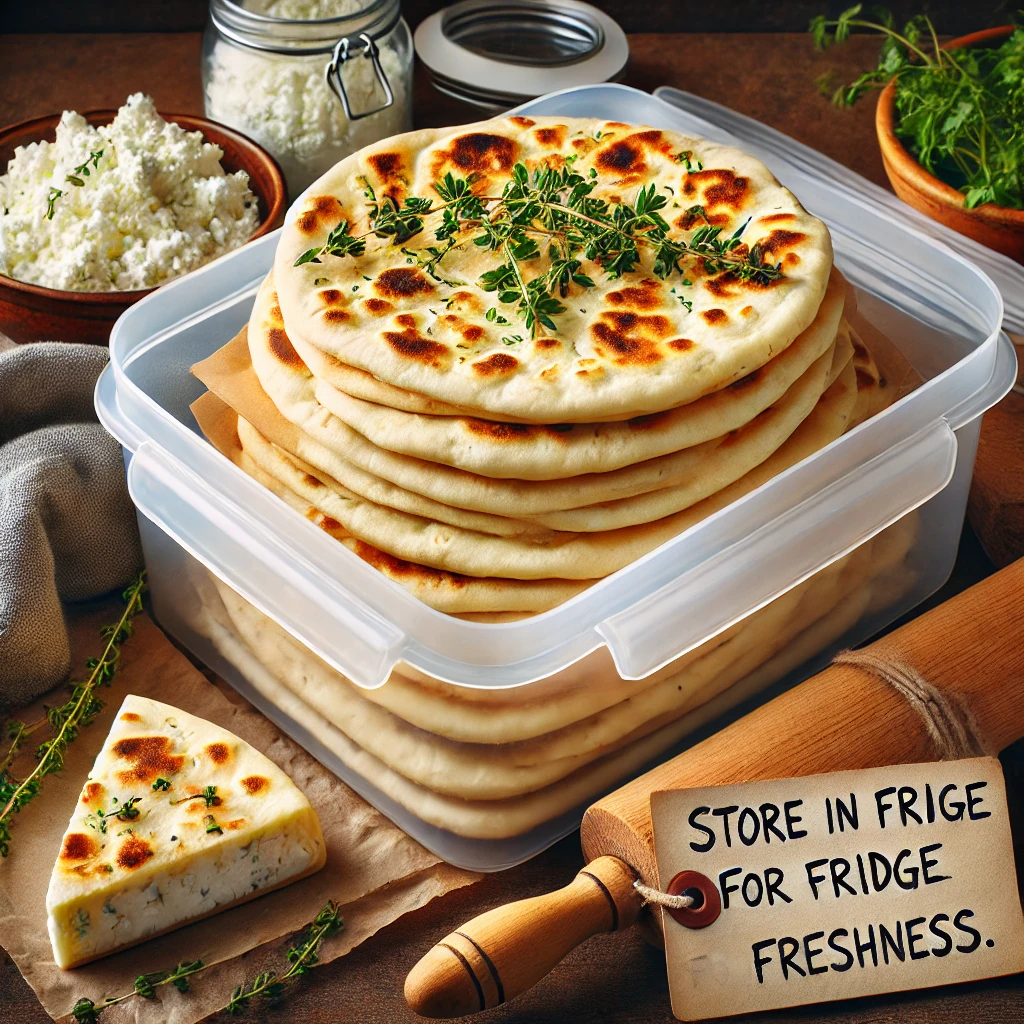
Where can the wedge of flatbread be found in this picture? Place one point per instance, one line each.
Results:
(178, 820)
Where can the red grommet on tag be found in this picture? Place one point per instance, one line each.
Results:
(702, 914)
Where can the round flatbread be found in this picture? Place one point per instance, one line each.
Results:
(627, 346)
(568, 556)
(544, 452)
(288, 382)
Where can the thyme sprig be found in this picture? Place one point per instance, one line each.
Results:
(209, 794)
(269, 986)
(85, 1011)
(82, 172)
(66, 720)
(303, 955)
(557, 206)
(126, 812)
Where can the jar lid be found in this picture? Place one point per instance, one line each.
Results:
(497, 53)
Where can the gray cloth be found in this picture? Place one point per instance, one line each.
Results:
(67, 525)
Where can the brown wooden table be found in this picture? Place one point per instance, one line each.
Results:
(616, 979)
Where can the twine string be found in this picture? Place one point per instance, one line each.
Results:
(663, 899)
(950, 725)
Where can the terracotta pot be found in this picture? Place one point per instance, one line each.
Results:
(29, 312)
(998, 227)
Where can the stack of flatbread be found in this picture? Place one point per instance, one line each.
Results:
(496, 472)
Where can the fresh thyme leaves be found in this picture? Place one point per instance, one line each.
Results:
(687, 160)
(211, 824)
(266, 987)
(82, 172)
(269, 986)
(86, 1011)
(960, 111)
(557, 206)
(429, 259)
(54, 195)
(164, 784)
(493, 316)
(66, 720)
(209, 794)
(126, 812)
(339, 243)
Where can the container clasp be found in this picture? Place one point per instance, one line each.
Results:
(343, 51)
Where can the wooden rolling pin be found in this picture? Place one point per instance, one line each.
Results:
(845, 717)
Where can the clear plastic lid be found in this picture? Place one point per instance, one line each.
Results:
(648, 613)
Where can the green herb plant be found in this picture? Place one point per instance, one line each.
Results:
(960, 112)
(543, 229)
(64, 721)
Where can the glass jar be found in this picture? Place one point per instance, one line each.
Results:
(309, 80)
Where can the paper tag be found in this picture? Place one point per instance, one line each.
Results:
(841, 885)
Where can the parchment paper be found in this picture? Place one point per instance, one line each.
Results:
(373, 868)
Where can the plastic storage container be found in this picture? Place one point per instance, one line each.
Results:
(234, 572)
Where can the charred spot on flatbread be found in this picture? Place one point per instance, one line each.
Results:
(282, 349)
(402, 283)
(77, 846)
(150, 757)
(644, 296)
(320, 211)
(402, 569)
(416, 347)
(391, 174)
(628, 338)
(134, 852)
(496, 364)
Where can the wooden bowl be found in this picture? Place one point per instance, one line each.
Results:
(998, 227)
(29, 312)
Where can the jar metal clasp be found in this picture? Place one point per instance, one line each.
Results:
(343, 51)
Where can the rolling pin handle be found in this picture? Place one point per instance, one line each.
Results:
(500, 954)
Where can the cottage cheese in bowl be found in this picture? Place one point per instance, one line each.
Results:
(121, 207)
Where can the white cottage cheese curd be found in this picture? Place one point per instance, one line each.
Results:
(153, 202)
(282, 100)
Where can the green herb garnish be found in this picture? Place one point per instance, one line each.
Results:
(960, 112)
(66, 720)
(85, 1011)
(211, 824)
(304, 955)
(209, 794)
(55, 194)
(266, 987)
(556, 206)
(164, 784)
(126, 812)
(339, 243)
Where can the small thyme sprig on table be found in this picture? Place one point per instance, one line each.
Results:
(555, 205)
(85, 1011)
(65, 720)
(266, 987)
(302, 957)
